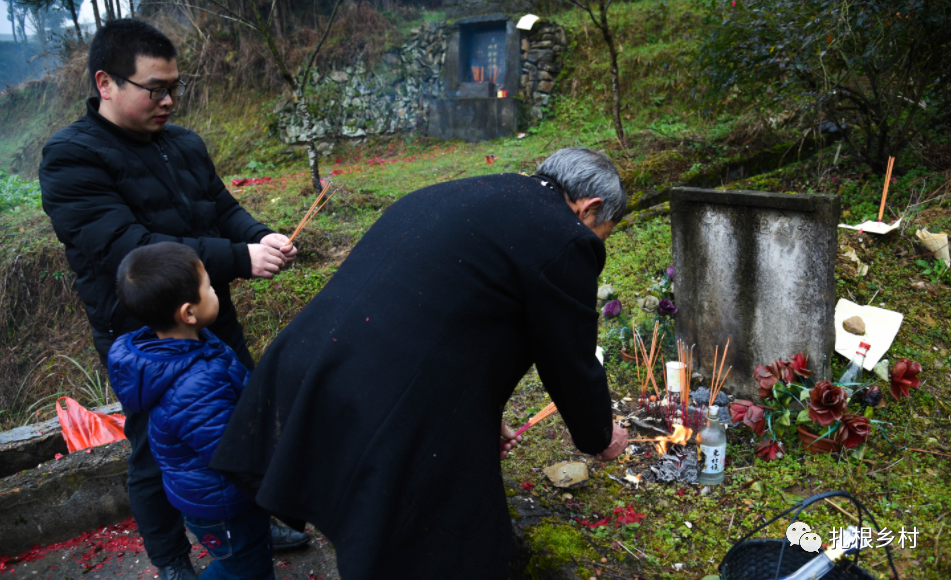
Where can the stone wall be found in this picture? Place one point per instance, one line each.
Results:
(356, 101)
(542, 49)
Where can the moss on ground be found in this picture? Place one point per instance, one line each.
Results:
(557, 545)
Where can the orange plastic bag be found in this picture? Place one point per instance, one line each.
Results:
(83, 428)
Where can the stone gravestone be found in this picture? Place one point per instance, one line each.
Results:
(757, 268)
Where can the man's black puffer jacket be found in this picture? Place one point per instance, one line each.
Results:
(108, 192)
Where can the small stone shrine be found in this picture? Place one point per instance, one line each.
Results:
(757, 268)
(482, 59)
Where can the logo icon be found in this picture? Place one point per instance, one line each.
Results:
(210, 541)
(795, 531)
(810, 542)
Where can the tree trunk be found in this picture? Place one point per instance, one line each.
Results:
(13, 22)
(110, 11)
(79, 31)
(615, 76)
(312, 162)
(95, 11)
(118, 8)
(131, 9)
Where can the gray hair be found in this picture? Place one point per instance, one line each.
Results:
(583, 173)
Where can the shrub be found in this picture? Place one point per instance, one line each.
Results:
(871, 70)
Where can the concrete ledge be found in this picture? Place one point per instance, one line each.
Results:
(62, 498)
(25, 447)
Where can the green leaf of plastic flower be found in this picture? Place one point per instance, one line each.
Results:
(784, 418)
(803, 417)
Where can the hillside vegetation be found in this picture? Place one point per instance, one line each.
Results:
(677, 134)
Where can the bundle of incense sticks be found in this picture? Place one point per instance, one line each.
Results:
(649, 360)
(311, 212)
(716, 377)
(888, 179)
(685, 356)
(551, 408)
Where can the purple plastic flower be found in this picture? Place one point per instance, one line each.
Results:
(666, 307)
(670, 272)
(612, 309)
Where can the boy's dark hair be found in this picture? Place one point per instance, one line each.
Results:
(117, 44)
(155, 280)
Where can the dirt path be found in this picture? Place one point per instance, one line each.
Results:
(116, 551)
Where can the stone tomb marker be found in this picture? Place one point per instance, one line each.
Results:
(757, 268)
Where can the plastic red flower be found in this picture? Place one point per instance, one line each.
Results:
(738, 409)
(827, 403)
(904, 377)
(799, 365)
(770, 450)
(765, 379)
(781, 370)
(755, 419)
(751, 415)
(853, 430)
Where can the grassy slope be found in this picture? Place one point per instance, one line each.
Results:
(670, 142)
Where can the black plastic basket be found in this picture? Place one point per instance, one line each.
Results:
(773, 559)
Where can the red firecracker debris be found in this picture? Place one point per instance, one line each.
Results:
(249, 181)
(528, 486)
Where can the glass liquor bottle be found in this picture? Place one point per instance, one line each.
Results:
(712, 442)
(854, 373)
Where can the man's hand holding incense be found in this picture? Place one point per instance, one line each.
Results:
(265, 260)
(281, 243)
(617, 446)
(510, 440)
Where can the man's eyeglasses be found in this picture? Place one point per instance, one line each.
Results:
(157, 94)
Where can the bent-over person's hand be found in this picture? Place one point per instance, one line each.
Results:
(617, 446)
(265, 261)
(509, 440)
(281, 243)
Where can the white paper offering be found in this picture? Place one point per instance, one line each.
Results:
(873, 227)
(526, 22)
(881, 327)
(599, 352)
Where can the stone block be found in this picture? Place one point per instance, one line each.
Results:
(476, 90)
(526, 45)
(61, 499)
(472, 120)
(757, 268)
(546, 86)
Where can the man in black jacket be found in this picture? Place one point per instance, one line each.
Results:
(120, 178)
(375, 413)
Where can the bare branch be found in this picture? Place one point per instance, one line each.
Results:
(313, 55)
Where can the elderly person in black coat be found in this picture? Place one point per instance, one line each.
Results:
(375, 413)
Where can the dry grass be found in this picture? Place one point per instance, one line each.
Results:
(42, 317)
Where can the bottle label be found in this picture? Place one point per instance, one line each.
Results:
(713, 458)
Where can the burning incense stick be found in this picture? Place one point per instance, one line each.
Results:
(888, 178)
(649, 359)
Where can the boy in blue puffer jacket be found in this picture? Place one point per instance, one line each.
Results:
(189, 382)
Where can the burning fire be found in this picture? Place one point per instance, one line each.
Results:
(680, 436)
